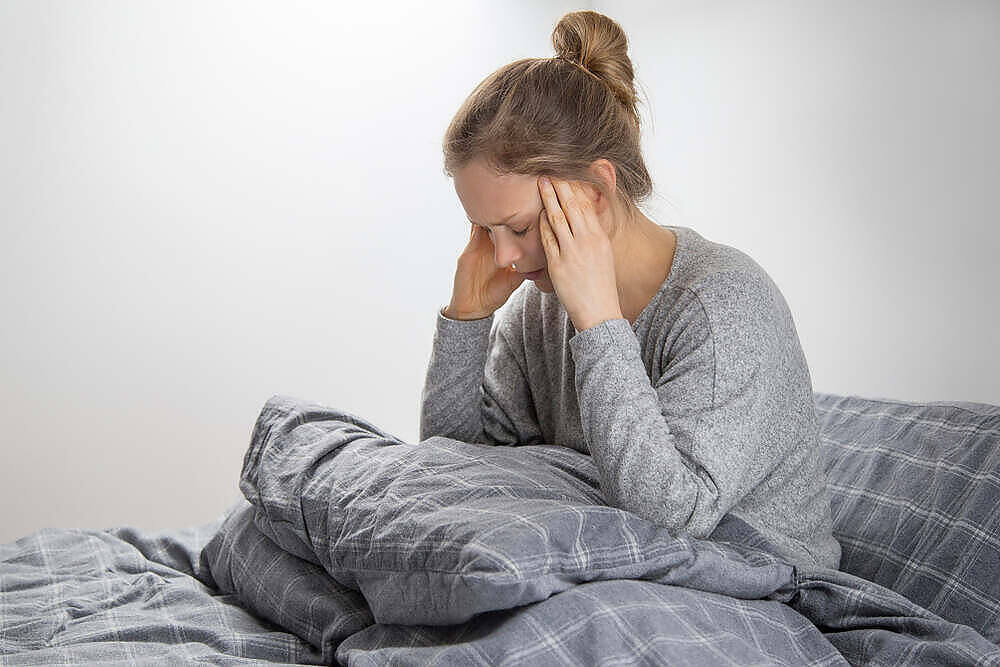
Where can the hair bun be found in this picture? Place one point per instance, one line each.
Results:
(598, 44)
(558, 116)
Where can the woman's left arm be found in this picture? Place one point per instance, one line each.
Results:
(683, 449)
(733, 398)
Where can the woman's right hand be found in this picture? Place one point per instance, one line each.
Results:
(481, 286)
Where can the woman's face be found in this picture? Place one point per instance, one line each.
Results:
(509, 207)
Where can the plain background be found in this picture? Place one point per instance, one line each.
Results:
(207, 203)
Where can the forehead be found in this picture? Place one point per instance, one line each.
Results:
(492, 199)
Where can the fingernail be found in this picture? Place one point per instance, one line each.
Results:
(545, 180)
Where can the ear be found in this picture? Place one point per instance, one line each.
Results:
(605, 171)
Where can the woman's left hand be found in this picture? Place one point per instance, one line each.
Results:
(580, 260)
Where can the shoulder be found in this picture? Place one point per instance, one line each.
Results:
(729, 285)
(744, 311)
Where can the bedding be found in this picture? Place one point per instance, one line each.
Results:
(914, 490)
(351, 546)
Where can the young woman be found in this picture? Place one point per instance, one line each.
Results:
(671, 359)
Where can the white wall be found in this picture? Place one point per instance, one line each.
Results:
(204, 204)
(852, 149)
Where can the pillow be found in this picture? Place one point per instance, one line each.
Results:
(279, 588)
(436, 532)
(914, 490)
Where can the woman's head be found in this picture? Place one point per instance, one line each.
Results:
(572, 117)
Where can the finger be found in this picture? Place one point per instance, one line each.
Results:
(550, 244)
(556, 217)
(586, 206)
(570, 206)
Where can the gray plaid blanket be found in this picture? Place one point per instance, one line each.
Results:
(353, 547)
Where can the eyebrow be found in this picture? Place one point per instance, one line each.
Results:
(497, 224)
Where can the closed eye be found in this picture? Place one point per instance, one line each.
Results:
(520, 233)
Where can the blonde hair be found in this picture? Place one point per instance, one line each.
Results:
(556, 116)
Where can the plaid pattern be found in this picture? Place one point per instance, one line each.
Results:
(225, 593)
(293, 594)
(439, 531)
(123, 596)
(616, 621)
(914, 492)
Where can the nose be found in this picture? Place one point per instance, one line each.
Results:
(506, 252)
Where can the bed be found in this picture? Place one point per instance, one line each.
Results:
(351, 546)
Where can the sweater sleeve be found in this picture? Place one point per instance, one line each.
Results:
(476, 389)
(682, 449)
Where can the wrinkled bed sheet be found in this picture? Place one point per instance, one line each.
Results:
(269, 581)
(123, 596)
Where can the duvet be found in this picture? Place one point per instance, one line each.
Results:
(351, 546)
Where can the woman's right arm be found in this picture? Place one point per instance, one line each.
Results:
(475, 389)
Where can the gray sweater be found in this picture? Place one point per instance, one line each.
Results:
(704, 406)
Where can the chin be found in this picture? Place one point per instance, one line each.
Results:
(544, 286)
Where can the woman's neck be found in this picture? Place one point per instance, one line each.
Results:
(644, 254)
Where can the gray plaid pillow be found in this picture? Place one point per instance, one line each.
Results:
(914, 490)
(439, 531)
(280, 588)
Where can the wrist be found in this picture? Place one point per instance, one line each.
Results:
(457, 314)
